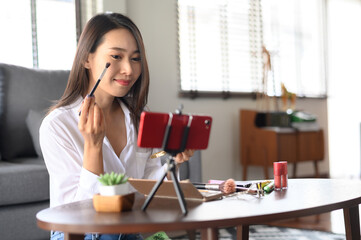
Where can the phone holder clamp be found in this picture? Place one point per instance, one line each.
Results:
(171, 165)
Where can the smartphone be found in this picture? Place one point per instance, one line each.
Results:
(153, 127)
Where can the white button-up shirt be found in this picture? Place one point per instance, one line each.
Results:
(62, 146)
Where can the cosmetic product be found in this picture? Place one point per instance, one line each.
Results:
(158, 154)
(284, 176)
(230, 186)
(260, 190)
(244, 184)
(265, 183)
(277, 172)
(269, 187)
(97, 83)
(226, 187)
(280, 173)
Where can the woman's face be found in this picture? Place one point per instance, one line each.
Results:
(119, 48)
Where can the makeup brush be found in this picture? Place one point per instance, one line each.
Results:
(97, 83)
(226, 187)
(218, 185)
(229, 186)
(238, 184)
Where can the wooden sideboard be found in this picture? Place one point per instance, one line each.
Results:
(262, 146)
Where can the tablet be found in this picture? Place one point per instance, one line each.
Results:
(166, 190)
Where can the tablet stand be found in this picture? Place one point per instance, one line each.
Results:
(171, 165)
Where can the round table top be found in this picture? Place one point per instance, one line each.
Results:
(303, 197)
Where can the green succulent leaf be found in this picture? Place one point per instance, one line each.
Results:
(112, 179)
(118, 179)
(124, 180)
(103, 182)
(110, 182)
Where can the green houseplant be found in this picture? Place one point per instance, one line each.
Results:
(113, 184)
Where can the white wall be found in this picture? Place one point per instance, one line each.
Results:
(344, 87)
(157, 21)
(118, 6)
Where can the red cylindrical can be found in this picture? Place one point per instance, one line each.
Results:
(284, 176)
(277, 173)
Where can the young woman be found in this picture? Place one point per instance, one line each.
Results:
(82, 136)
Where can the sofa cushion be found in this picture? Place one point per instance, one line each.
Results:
(23, 181)
(22, 89)
(33, 122)
(19, 222)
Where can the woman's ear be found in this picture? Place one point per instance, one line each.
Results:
(86, 63)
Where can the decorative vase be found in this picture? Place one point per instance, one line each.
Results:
(120, 189)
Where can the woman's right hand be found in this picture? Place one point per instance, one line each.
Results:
(92, 126)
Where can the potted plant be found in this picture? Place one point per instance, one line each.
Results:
(113, 184)
(115, 195)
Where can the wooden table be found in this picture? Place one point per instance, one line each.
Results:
(303, 197)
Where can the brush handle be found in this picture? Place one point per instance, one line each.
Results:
(207, 186)
(215, 187)
(97, 83)
(244, 184)
(95, 87)
(216, 184)
(243, 189)
(100, 77)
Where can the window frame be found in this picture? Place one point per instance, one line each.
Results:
(233, 94)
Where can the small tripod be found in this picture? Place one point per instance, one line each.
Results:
(171, 164)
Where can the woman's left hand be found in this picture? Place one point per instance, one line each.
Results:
(184, 156)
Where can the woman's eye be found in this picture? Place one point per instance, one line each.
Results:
(116, 57)
(137, 59)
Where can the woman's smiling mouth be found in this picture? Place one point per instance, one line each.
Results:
(123, 82)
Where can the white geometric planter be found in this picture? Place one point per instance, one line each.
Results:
(120, 189)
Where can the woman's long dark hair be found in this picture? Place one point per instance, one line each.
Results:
(90, 39)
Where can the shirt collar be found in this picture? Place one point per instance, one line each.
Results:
(77, 104)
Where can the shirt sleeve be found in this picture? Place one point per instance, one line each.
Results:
(155, 168)
(69, 180)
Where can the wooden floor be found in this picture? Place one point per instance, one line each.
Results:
(320, 222)
(329, 222)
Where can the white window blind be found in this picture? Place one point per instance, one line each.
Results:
(16, 37)
(215, 43)
(56, 33)
(220, 46)
(41, 33)
(293, 33)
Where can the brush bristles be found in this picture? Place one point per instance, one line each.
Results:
(107, 65)
(229, 186)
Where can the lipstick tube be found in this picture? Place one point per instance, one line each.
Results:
(284, 176)
(277, 173)
(280, 173)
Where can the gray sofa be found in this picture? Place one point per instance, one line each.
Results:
(25, 95)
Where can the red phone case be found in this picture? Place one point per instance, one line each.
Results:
(153, 125)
